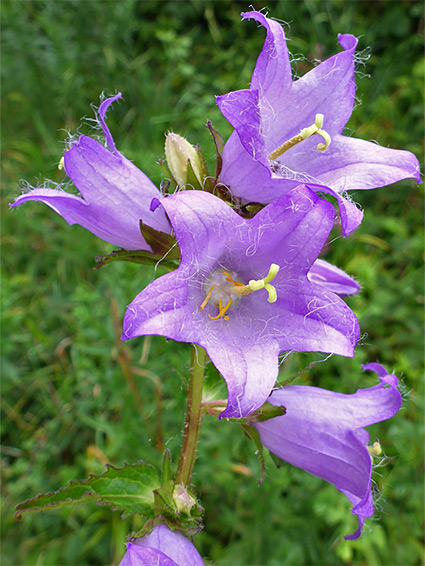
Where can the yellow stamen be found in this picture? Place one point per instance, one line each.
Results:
(221, 310)
(61, 164)
(207, 298)
(305, 133)
(231, 280)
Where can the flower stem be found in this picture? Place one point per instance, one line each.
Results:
(192, 423)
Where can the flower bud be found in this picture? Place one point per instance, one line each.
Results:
(183, 500)
(177, 152)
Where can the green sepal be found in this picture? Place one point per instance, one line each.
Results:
(192, 179)
(161, 243)
(165, 506)
(208, 181)
(277, 461)
(128, 489)
(266, 412)
(136, 256)
(204, 168)
(252, 433)
(250, 209)
(219, 145)
(164, 167)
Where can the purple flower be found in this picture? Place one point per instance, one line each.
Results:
(116, 195)
(332, 278)
(162, 547)
(275, 109)
(322, 433)
(242, 290)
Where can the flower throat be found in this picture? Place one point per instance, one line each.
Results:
(224, 289)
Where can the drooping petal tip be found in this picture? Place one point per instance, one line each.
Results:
(103, 108)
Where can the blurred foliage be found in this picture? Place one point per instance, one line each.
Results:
(75, 397)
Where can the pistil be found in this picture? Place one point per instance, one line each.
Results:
(305, 133)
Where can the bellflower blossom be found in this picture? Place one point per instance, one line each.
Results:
(322, 433)
(116, 195)
(162, 547)
(242, 292)
(257, 163)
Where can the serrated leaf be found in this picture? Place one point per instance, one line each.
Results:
(128, 489)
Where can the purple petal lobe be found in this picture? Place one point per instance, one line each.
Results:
(351, 216)
(242, 111)
(162, 547)
(143, 556)
(331, 277)
(102, 112)
(272, 71)
(322, 433)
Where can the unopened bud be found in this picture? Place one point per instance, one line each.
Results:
(177, 152)
(183, 500)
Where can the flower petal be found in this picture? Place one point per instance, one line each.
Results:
(354, 164)
(272, 71)
(241, 109)
(162, 547)
(249, 369)
(143, 556)
(331, 277)
(311, 319)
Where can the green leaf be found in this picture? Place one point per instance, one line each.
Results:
(128, 489)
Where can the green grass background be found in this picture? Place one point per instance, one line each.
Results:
(75, 398)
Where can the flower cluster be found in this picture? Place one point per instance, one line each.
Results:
(249, 285)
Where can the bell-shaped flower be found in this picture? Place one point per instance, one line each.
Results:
(115, 194)
(242, 291)
(162, 547)
(322, 432)
(289, 132)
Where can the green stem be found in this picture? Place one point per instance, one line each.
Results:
(192, 423)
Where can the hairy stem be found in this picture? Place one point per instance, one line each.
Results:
(192, 423)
